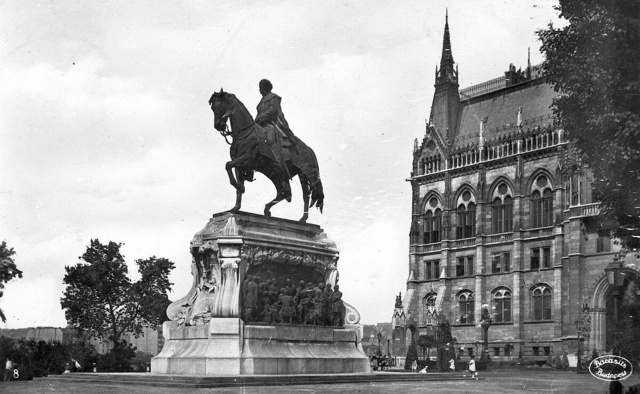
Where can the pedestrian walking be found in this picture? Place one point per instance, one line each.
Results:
(452, 365)
(472, 367)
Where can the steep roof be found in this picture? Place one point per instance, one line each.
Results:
(500, 109)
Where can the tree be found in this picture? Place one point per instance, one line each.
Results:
(101, 299)
(412, 355)
(444, 335)
(628, 341)
(593, 65)
(8, 270)
(426, 342)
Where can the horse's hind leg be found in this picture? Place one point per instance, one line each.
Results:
(267, 207)
(283, 191)
(304, 183)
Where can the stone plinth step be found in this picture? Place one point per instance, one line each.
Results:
(192, 381)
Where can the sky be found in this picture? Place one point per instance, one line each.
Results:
(105, 130)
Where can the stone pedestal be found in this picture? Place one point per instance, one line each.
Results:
(214, 348)
(229, 347)
(207, 334)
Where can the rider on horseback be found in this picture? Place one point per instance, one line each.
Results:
(271, 118)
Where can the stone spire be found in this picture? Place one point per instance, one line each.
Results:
(446, 99)
(447, 72)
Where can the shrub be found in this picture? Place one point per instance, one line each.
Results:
(141, 361)
(117, 359)
(412, 354)
(39, 358)
(565, 361)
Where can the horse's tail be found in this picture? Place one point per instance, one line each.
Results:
(317, 195)
(308, 163)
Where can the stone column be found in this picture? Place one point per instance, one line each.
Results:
(556, 253)
(228, 302)
(598, 336)
(479, 271)
(518, 314)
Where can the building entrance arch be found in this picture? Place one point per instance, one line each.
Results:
(603, 323)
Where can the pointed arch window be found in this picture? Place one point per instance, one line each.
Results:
(432, 226)
(541, 303)
(502, 302)
(466, 215)
(502, 214)
(502, 209)
(541, 203)
(466, 306)
(542, 208)
(466, 221)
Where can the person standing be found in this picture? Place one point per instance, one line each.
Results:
(319, 305)
(8, 366)
(288, 310)
(452, 365)
(472, 367)
(336, 306)
(251, 299)
(328, 292)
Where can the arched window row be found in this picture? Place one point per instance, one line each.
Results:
(502, 211)
(467, 195)
(502, 304)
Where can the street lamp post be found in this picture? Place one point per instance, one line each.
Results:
(379, 339)
(615, 277)
(485, 323)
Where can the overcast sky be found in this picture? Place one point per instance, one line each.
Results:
(105, 131)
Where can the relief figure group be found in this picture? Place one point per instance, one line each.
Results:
(305, 303)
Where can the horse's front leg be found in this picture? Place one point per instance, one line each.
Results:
(230, 166)
(239, 190)
(304, 183)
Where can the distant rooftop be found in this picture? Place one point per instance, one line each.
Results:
(510, 78)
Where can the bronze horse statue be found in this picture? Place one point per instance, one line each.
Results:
(251, 151)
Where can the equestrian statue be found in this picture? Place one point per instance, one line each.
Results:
(269, 148)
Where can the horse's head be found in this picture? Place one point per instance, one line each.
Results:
(222, 106)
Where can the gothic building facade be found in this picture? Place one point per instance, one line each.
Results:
(503, 216)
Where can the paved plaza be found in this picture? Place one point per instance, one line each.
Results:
(499, 381)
